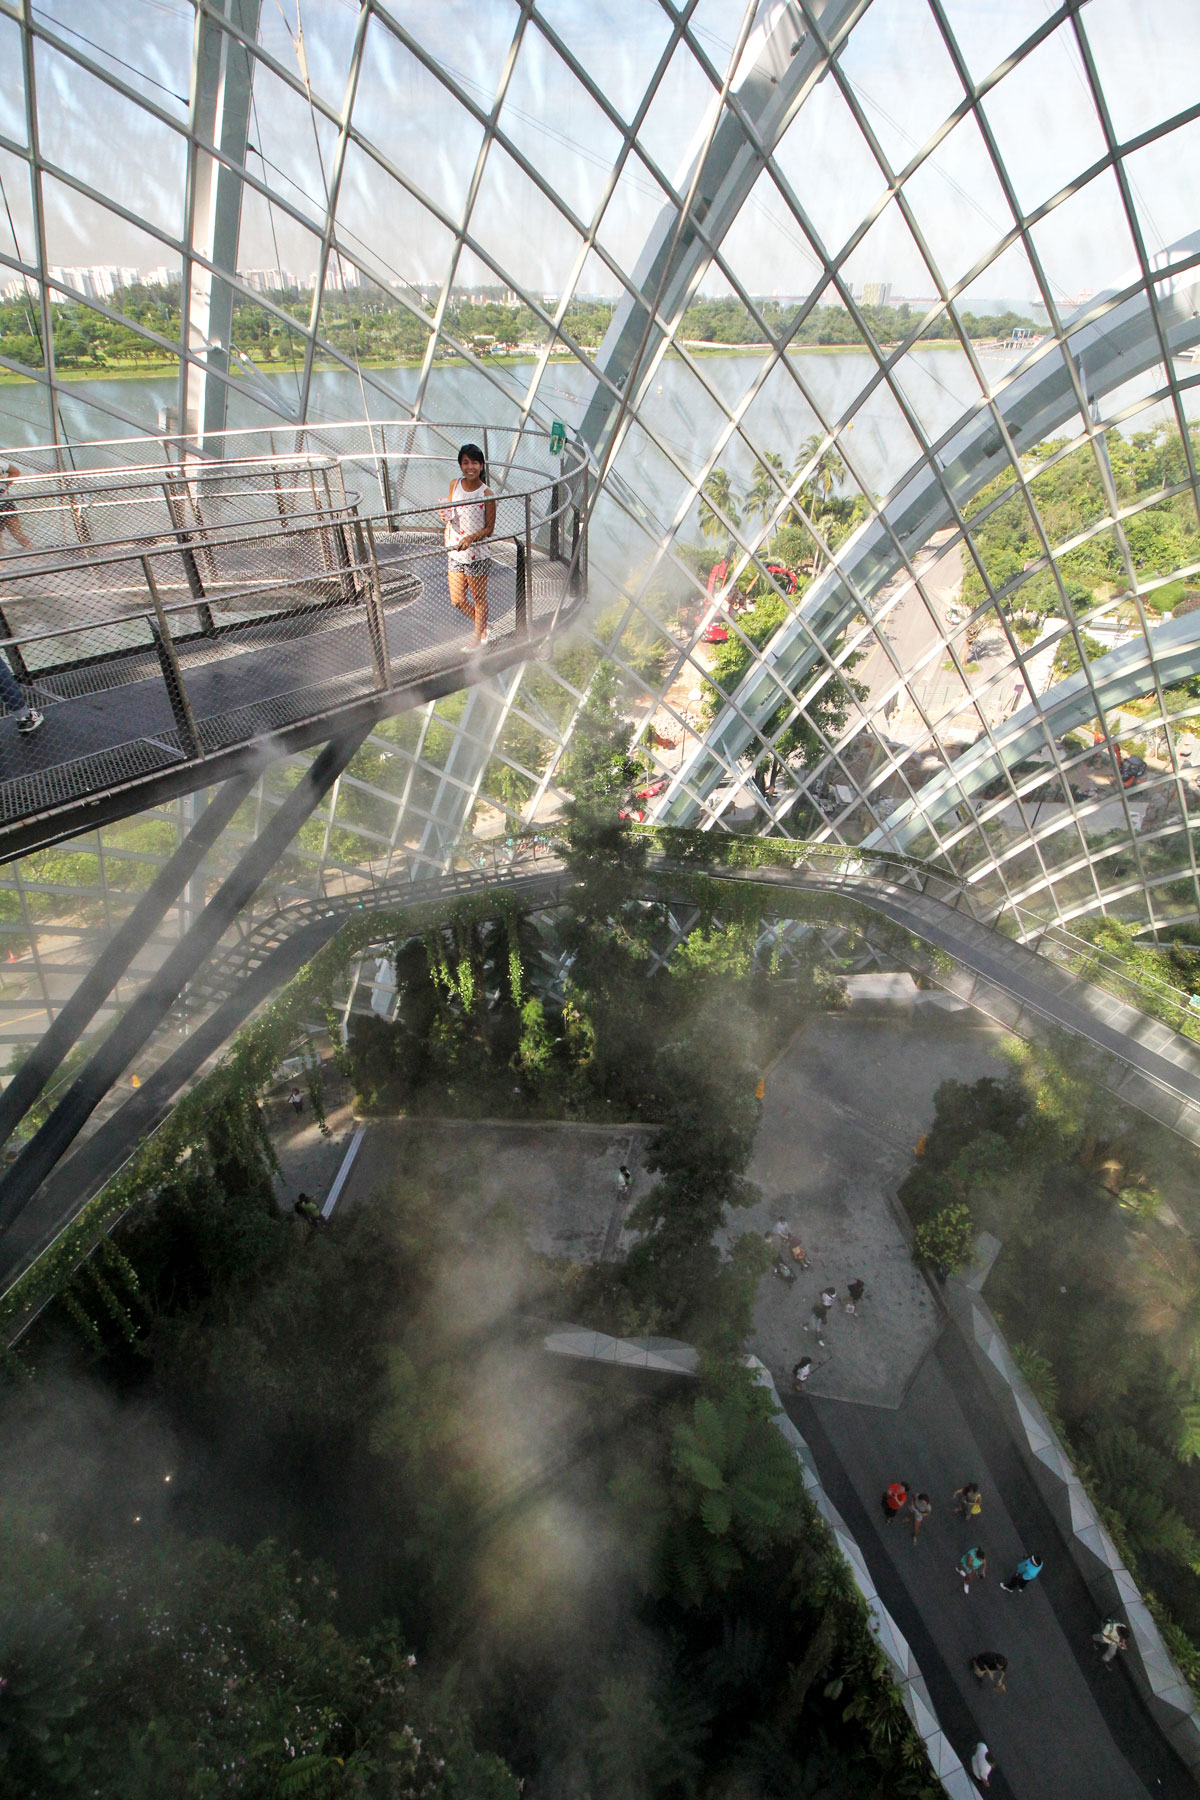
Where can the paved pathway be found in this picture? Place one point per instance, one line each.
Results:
(1067, 1728)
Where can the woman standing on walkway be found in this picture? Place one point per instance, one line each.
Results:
(9, 521)
(470, 518)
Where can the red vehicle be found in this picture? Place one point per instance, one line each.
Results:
(655, 787)
(784, 576)
(716, 577)
(715, 633)
(719, 574)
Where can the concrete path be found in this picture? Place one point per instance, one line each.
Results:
(844, 1105)
(1067, 1728)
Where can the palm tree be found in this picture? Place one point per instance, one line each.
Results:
(719, 509)
(762, 496)
(816, 490)
(828, 473)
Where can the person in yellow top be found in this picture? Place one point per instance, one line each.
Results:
(760, 1091)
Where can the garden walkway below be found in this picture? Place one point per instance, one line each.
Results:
(1067, 1728)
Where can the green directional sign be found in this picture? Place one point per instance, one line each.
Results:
(558, 438)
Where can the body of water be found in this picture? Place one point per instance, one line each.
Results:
(938, 385)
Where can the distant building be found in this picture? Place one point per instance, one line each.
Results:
(876, 293)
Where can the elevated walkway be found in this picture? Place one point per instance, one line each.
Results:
(1144, 1063)
(184, 617)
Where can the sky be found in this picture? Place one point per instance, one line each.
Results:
(896, 67)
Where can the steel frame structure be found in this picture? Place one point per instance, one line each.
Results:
(413, 792)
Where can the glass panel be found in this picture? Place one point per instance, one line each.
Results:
(524, 232)
(1043, 120)
(12, 89)
(987, 35)
(1146, 61)
(134, 158)
(555, 122)
(16, 209)
(296, 145)
(684, 418)
(958, 202)
(769, 252)
(328, 33)
(415, 249)
(1161, 196)
(896, 35)
(619, 43)
(886, 262)
(1085, 244)
(470, 42)
(677, 124)
(414, 121)
(632, 213)
(828, 166)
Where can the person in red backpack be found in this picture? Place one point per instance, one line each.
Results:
(895, 1499)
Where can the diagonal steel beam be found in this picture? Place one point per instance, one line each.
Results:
(164, 987)
(74, 1018)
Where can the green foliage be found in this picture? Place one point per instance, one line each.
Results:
(737, 1491)
(948, 1239)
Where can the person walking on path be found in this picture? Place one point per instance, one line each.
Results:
(970, 1564)
(624, 1179)
(296, 1101)
(801, 1372)
(920, 1507)
(855, 1290)
(982, 1764)
(989, 1665)
(820, 1313)
(895, 1499)
(968, 1502)
(1027, 1570)
(1112, 1637)
(306, 1208)
(9, 519)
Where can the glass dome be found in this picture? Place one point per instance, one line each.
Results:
(878, 319)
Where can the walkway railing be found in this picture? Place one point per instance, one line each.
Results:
(178, 617)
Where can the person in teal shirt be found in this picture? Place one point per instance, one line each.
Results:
(1026, 1571)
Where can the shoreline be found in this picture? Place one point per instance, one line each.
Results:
(170, 370)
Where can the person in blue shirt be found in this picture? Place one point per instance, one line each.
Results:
(1026, 1571)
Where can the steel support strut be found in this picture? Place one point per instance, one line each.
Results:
(113, 961)
(164, 987)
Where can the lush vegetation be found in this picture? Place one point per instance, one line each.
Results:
(370, 324)
(817, 477)
(728, 322)
(1069, 493)
(289, 1510)
(1097, 1285)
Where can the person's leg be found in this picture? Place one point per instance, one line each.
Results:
(10, 690)
(478, 585)
(14, 525)
(457, 582)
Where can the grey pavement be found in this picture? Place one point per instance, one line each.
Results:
(560, 1180)
(1067, 1728)
(899, 1398)
(844, 1105)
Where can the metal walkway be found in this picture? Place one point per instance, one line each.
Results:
(1149, 1066)
(185, 619)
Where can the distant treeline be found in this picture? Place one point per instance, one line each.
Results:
(374, 325)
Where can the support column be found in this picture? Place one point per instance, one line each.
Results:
(224, 76)
(164, 987)
(75, 1017)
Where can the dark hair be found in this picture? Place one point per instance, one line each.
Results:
(476, 455)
